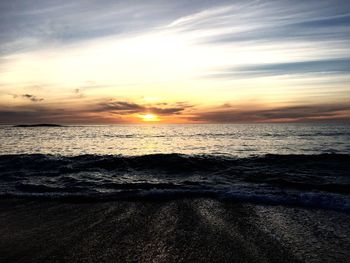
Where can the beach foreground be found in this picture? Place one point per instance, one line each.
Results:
(182, 230)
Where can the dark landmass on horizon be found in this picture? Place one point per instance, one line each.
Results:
(38, 125)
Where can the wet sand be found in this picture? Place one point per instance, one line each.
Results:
(183, 230)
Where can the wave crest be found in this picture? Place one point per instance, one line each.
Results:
(286, 179)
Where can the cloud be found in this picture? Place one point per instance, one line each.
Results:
(32, 98)
(104, 112)
(124, 107)
(165, 111)
(273, 21)
(35, 24)
(88, 50)
(120, 107)
(299, 113)
(32, 24)
(30, 114)
(122, 112)
(53, 115)
(79, 93)
(330, 66)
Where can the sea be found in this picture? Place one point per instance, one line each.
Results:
(304, 165)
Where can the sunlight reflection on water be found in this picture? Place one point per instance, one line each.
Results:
(216, 139)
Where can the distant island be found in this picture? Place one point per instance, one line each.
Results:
(38, 125)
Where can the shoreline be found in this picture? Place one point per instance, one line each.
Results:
(180, 230)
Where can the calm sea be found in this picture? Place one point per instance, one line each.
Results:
(214, 139)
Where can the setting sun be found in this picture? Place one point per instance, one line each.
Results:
(149, 117)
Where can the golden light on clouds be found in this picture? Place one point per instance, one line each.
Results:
(202, 63)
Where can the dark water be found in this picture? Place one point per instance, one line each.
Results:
(304, 165)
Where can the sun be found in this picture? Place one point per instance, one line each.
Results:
(149, 117)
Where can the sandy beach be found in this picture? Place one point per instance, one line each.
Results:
(182, 230)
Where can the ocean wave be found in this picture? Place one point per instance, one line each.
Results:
(307, 180)
(163, 161)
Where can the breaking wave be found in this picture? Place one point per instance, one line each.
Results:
(304, 180)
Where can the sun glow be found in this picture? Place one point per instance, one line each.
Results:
(149, 117)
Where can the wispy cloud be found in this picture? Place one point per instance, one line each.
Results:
(254, 113)
(259, 21)
(331, 66)
(33, 24)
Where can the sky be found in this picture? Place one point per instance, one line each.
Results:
(186, 61)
